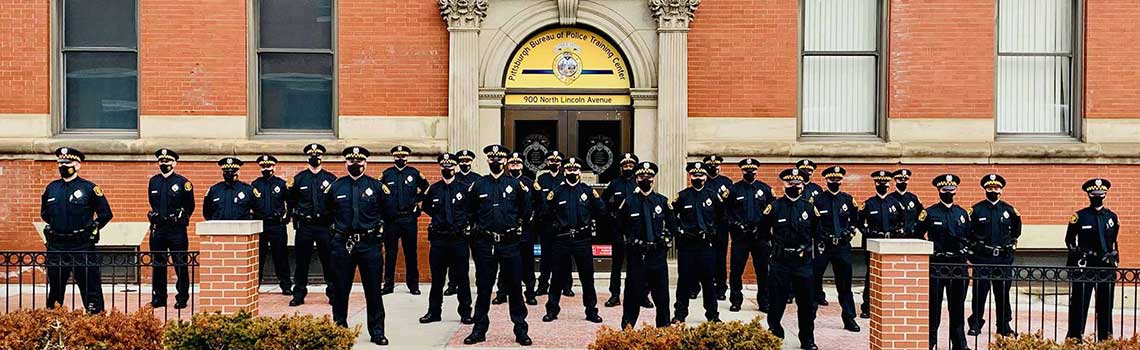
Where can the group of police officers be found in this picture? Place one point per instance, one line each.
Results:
(360, 222)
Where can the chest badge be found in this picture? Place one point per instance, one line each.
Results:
(759, 193)
(657, 209)
(409, 179)
(276, 189)
(241, 195)
(1111, 223)
(844, 208)
(368, 191)
(174, 188)
(77, 194)
(325, 184)
(708, 202)
(962, 219)
(1005, 214)
(909, 205)
(583, 197)
(510, 189)
(891, 209)
(804, 216)
(458, 196)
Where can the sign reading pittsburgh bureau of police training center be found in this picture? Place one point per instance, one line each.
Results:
(567, 59)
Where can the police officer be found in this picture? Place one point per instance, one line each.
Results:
(446, 203)
(357, 205)
(270, 193)
(698, 207)
(547, 180)
(171, 198)
(744, 206)
(1092, 242)
(465, 176)
(909, 201)
(74, 210)
(574, 208)
(648, 225)
(948, 226)
(996, 226)
(811, 189)
(720, 184)
(497, 206)
(838, 213)
(311, 225)
(526, 244)
(231, 199)
(791, 222)
(407, 187)
(612, 196)
(880, 216)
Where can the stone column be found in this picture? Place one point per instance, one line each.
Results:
(900, 293)
(227, 266)
(673, 18)
(463, 18)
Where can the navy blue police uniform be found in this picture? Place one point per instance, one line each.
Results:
(574, 209)
(791, 223)
(612, 196)
(1092, 241)
(407, 186)
(947, 225)
(880, 216)
(445, 202)
(699, 208)
(995, 228)
(526, 243)
(744, 206)
(231, 199)
(546, 182)
(648, 225)
(466, 176)
(306, 207)
(270, 193)
(838, 212)
(172, 203)
(719, 183)
(811, 190)
(74, 210)
(909, 201)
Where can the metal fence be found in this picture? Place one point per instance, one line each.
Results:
(124, 278)
(1035, 299)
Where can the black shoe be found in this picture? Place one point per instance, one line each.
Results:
(429, 318)
(865, 314)
(179, 305)
(286, 290)
(157, 303)
(549, 318)
(386, 291)
(850, 325)
(523, 340)
(381, 341)
(613, 301)
(973, 332)
(466, 320)
(648, 304)
(821, 302)
(809, 347)
(297, 302)
(474, 339)
(531, 300)
(721, 297)
(594, 318)
(734, 308)
(450, 291)
(693, 295)
(499, 299)
(414, 291)
(567, 292)
(542, 289)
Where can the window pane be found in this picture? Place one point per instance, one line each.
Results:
(99, 23)
(296, 24)
(1035, 26)
(101, 90)
(1033, 95)
(839, 94)
(296, 91)
(849, 25)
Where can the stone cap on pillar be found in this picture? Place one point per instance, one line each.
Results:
(229, 227)
(900, 246)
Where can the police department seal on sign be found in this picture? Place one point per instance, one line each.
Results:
(567, 62)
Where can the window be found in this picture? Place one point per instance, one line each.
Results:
(295, 65)
(1035, 67)
(840, 67)
(100, 65)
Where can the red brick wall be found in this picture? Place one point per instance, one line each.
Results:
(392, 59)
(742, 59)
(192, 57)
(1112, 84)
(941, 59)
(24, 53)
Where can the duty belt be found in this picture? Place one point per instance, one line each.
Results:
(997, 250)
(698, 234)
(450, 233)
(512, 235)
(789, 253)
(574, 232)
(351, 239)
(1111, 258)
(646, 245)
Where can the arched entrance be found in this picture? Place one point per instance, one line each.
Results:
(568, 88)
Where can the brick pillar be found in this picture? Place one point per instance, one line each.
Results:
(228, 266)
(900, 293)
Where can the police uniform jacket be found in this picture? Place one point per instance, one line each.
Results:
(357, 205)
(546, 182)
(647, 218)
(911, 207)
(171, 197)
(306, 195)
(947, 227)
(746, 202)
(995, 224)
(616, 192)
(535, 200)
(407, 186)
(498, 204)
(812, 190)
(229, 201)
(270, 194)
(837, 212)
(72, 206)
(573, 206)
(792, 225)
(446, 204)
(881, 215)
(698, 212)
(468, 178)
(719, 184)
(1092, 231)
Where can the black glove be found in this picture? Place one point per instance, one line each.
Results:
(48, 231)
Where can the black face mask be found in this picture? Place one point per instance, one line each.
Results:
(356, 169)
(626, 173)
(697, 183)
(946, 197)
(400, 163)
(552, 167)
(749, 176)
(881, 189)
(447, 173)
(314, 161)
(792, 191)
(165, 168)
(713, 171)
(516, 172)
(992, 196)
(833, 186)
(266, 173)
(573, 178)
(496, 167)
(645, 185)
(65, 171)
(229, 176)
(901, 186)
(465, 167)
(1096, 201)
(807, 178)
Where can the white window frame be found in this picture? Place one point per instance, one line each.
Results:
(58, 109)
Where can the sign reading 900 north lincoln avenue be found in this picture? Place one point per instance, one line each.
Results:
(567, 58)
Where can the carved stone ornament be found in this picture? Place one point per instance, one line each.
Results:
(463, 13)
(673, 13)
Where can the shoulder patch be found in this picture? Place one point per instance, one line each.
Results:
(256, 193)
(817, 214)
(537, 187)
(724, 192)
(550, 195)
(970, 211)
(922, 215)
(1073, 219)
(524, 188)
(860, 205)
(289, 183)
(1015, 212)
(768, 209)
(98, 191)
(385, 189)
(595, 193)
(188, 186)
(328, 188)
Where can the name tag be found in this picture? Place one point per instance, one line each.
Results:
(1088, 227)
(217, 199)
(561, 202)
(740, 198)
(981, 219)
(435, 200)
(342, 196)
(153, 191)
(391, 182)
(617, 193)
(635, 215)
(938, 223)
(781, 220)
(51, 199)
(483, 196)
(823, 211)
(688, 207)
(304, 187)
(874, 212)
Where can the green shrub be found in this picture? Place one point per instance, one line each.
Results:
(1039, 342)
(243, 331)
(733, 335)
(60, 329)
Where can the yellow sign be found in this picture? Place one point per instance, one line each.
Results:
(568, 58)
(563, 100)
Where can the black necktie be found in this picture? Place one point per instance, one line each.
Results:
(647, 219)
(700, 216)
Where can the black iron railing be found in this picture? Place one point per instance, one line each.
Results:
(35, 279)
(1046, 300)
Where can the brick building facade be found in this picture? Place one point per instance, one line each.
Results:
(718, 76)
